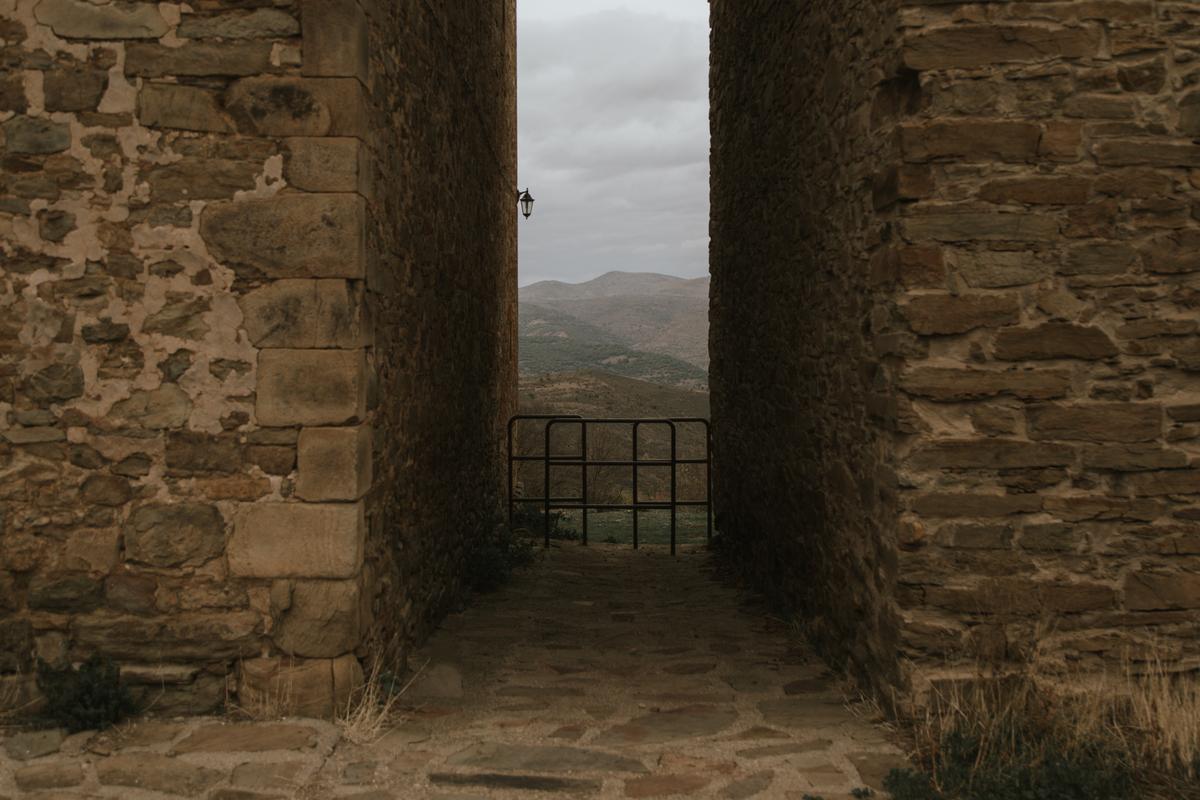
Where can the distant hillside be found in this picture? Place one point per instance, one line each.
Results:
(554, 341)
(600, 394)
(643, 312)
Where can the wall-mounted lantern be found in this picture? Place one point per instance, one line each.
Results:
(526, 201)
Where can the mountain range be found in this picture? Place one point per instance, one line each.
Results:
(639, 325)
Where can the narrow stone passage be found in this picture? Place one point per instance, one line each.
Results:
(598, 672)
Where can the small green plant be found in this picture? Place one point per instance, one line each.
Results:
(861, 793)
(89, 698)
(531, 518)
(490, 565)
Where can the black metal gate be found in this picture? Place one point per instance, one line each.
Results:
(551, 461)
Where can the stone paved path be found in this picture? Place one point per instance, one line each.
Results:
(599, 672)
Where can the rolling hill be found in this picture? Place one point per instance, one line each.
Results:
(640, 325)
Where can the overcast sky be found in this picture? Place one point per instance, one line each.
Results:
(613, 137)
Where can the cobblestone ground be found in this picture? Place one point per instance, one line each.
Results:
(599, 672)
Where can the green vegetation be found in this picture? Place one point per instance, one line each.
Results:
(551, 341)
(654, 527)
(89, 698)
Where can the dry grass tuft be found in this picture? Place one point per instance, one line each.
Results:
(369, 712)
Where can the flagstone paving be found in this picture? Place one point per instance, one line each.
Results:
(599, 672)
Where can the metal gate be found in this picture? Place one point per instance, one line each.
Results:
(551, 462)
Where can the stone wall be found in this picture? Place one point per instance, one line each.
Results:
(972, 314)
(805, 497)
(242, 327)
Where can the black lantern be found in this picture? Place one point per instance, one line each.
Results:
(526, 201)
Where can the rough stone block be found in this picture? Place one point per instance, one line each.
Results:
(174, 535)
(310, 688)
(1163, 483)
(981, 226)
(1098, 258)
(327, 164)
(298, 540)
(1038, 191)
(283, 106)
(967, 46)
(1096, 422)
(989, 454)
(324, 619)
(197, 59)
(310, 387)
(944, 314)
(335, 39)
(78, 19)
(334, 463)
(953, 384)
(1150, 152)
(1052, 340)
(290, 236)
(986, 269)
(1149, 591)
(35, 136)
(261, 23)
(187, 108)
(305, 314)
(971, 140)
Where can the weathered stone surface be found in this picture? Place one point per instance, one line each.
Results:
(324, 619)
(75, 88)
(310, 387)
(1053, 340)
(56, 383)
(1165, 482)
(534, 758)
(665, 726)
(1120, 153)
(290, 236)
(306, 687)
(971, 140)
(261, 23)
(959, 46)
(990, 454)
(335, 40)
(201, 179)
(298, 540)
(949, 314)
(1133, 458)
(327, 164)
(78, 19)
(49, 775)
(334, 463)
(157, 773)
(1037, 191)
(188, 108)
(966, 226)
(975, 505)
(952, 384)
(182, 316)
(666, 785)
(989, 270)
(35, 135)
(273, 106)
(176, 535)
(247, 739)
(296, 313)
(1097, 422)
(197, 59)
(105, 490)
(1174, 253)
(1101, 258)
(1149, 591)
(27, 745)
(168, 406)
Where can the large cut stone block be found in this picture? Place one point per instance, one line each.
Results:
(979, 45)
(304, 687)
(1149, 591)
(187, 108)
(310, 387)
(304, 314)
(291, 236)
(1097, 422)
(327, 164)
(198, 59)
(277, 106)
(335, 463)
(78, 19)
(972, 140)
(174, 535)
(324, 619)
(335, 39)
(298, 540)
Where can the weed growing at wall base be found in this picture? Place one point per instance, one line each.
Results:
(491, 563)
(91, 697)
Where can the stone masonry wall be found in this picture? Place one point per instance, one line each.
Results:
(992, 338)
(805, 498)
(228, 278)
